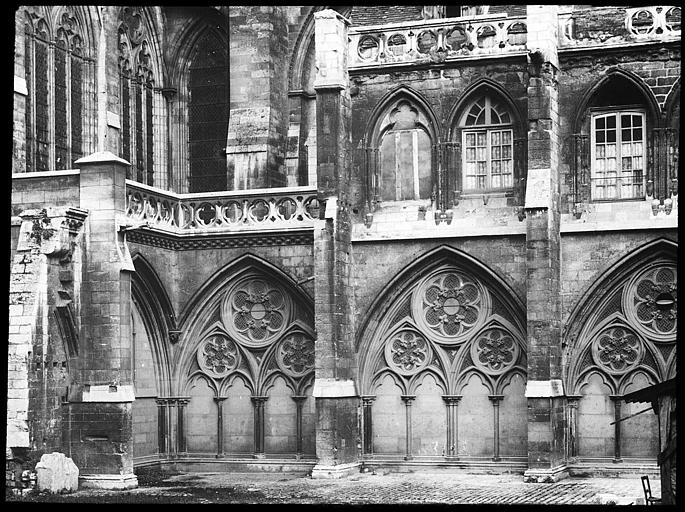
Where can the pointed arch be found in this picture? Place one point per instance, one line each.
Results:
(671, 112)
(198, 312)
(633, 80)
(392, 97)
(597, 290)
(483, 86)
(150, 297)
(603, 313)
(396, 300)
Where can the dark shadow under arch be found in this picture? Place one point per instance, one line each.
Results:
(632, 80)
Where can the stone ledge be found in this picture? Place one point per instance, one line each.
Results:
(321, 471)
(332, 388)
(547, 476)
(108, 482)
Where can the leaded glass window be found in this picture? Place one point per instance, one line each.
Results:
(618, 155)
(488, 142)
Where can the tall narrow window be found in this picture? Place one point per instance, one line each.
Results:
(405, 155)
(55, 69)
(138, 95)
(487, 138)
(208, 115)
(617, 155)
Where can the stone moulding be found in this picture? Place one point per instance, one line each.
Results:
(226, 241)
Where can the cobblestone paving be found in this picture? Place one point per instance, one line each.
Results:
(392, 488)
(418, 488)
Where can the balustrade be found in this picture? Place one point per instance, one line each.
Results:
(579, 28)
(436, 40)
(282, 208)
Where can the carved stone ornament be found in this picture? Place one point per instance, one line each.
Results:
(296, 354)
(495, 351)
(256, 312)
(617, 350)
(407, 352)
(651, 302)
(217, 356)
(450, 304)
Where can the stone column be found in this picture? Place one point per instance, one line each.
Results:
(220, 425)
(337, 402)
(259, 110)
(367, 419)
(169, 94)
(258, 403)
(546, 415)
(299, 402)
(162, 429)
(617, 399)
(408, 399)
(496, 399)
(180, 422)
(452, 447)
(572, 410)
(102, 449)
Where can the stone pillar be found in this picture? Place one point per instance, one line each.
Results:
(299, 403)
(181, 422)
(408, 399)
(100, 405)
(220, 425)
(258, 125)
(258, 403)
(496, 399)
(572, 411)
(367, 420)
(452, 447)
(617, 399)
(546, 415)
(162, 425)
(337, 402)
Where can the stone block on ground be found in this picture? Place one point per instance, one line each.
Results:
(57, 474)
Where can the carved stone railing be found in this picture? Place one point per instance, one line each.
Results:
(436, 40)
(245, 210)
(619, 25)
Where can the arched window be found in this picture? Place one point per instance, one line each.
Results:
(487, 139)
(405, 153)
(621, 152)
(208, 115)
(56, 68)
(139, 100)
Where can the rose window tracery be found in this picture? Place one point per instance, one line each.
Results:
(450, 304)
(257, 311)
(654, 300)
(617, 350)
(296, 354)
(217, 356)
(495, 351)
(407, 352)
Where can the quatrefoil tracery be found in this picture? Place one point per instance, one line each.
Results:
(651, 302)
(256, 312)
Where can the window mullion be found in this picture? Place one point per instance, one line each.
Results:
(67, 81)
(51, 105)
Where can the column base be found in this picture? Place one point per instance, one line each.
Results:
(258, 456)
(321, 471)
(542, 475)
(108, 482)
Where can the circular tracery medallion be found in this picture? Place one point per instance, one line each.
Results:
(617, 350)
(651, 302)
(407, 352)
(217, 355)
(494, 351)
(450, 304)
(296, 354)
(256, 312)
